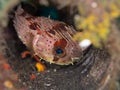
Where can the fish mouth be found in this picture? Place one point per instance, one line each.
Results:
(62, 61)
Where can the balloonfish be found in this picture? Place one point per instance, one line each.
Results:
(48, 39)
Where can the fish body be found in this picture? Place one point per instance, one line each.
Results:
(48, 39)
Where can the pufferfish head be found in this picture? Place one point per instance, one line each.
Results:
(56, 45)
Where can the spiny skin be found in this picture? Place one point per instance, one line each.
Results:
(50, 40)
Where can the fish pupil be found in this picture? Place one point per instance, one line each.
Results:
(59, 51)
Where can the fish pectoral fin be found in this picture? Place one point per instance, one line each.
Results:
(37, 58)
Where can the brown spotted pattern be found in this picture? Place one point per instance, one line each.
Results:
(43, 36)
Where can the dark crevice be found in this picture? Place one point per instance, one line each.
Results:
(71, 77)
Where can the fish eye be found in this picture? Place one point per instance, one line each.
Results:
(59, 51)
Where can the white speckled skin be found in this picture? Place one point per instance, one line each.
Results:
(42, 36)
